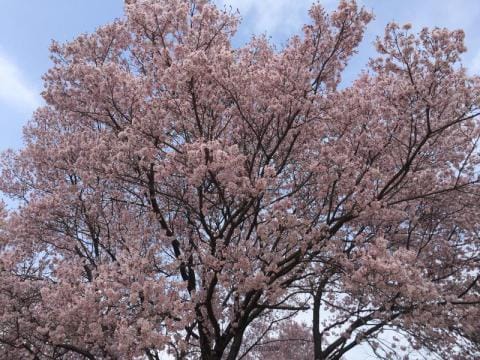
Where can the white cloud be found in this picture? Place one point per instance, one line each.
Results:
(14, 89)
(281, 17)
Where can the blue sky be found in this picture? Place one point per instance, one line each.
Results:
(27, 27)
(26, 30)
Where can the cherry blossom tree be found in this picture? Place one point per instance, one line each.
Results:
(177, 195)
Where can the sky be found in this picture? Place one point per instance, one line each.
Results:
(28, 26)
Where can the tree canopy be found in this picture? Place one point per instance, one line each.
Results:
(180, 195)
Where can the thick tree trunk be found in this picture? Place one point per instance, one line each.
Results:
(235, 348)
(317, 339)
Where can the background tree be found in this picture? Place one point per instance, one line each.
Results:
(177, 194)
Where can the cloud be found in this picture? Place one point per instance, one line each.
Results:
(275, 17)
(14, 89)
